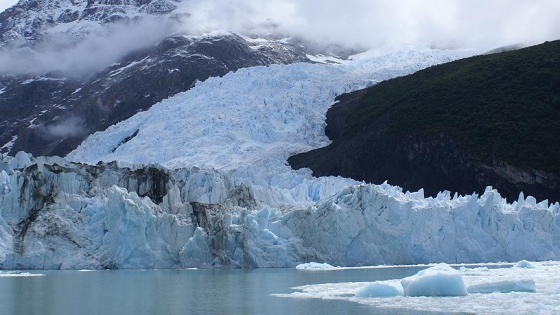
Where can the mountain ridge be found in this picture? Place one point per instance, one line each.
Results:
(459, 127)
(61, 77)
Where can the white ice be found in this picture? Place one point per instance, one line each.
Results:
(524, 264)
(315, 266)
(439, 280)
(254, 117)
(506, 286)
(542, 300)
(12, 274)
(376, 290)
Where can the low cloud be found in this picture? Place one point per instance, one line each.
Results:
(374, 23)
(360, 24)
(104, 46)
(67, 128)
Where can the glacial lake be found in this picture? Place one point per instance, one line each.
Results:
(123, 292)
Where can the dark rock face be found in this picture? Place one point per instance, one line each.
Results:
(414, 162)
(52, 114)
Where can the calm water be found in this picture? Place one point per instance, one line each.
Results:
(182, 292)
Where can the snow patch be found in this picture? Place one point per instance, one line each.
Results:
(8, 146)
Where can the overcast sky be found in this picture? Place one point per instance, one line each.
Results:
(486, 23)
(4, 4)
(378, 22)
(362, 24)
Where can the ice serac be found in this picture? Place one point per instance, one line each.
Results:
(56, 214)
(368, 225)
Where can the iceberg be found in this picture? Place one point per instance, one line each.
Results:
(524, 264)
(376, 290)
(439, 280)
(500, 289)
(504, 287)
(315, 266)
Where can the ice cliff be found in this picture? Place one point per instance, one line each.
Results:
(57, 214)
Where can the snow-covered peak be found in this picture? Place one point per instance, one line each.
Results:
(33, 20)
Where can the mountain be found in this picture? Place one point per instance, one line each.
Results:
(485, 120)
(51, 112)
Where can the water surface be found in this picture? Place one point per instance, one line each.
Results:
(183, 292)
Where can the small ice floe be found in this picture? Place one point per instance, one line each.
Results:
(524, 264)
(378, 290)
(315, 266)
(19, 274)
(504, 287)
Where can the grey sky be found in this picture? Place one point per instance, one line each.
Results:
(4, 4)
(358, 23)
(487, 23)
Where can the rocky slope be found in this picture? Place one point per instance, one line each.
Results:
(50, 111)
(488, 120)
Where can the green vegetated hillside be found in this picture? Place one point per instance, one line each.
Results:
(504, 106)
(496, 108)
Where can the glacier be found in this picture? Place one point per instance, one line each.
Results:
(201, 180)
(63, 215)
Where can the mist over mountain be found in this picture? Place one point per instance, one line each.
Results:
(377, 23)
(68, 69)
(80, 36)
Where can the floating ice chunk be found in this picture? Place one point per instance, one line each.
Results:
(439, 280)
(504, 287)
(524, 264)
(20, 274)
(378, 290)
(315, 266)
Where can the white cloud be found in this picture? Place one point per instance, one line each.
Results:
(355, 23)
(487, 23)
(4, 4)
(71, 127)
(102, 48)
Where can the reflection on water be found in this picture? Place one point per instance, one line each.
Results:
(182, 292)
